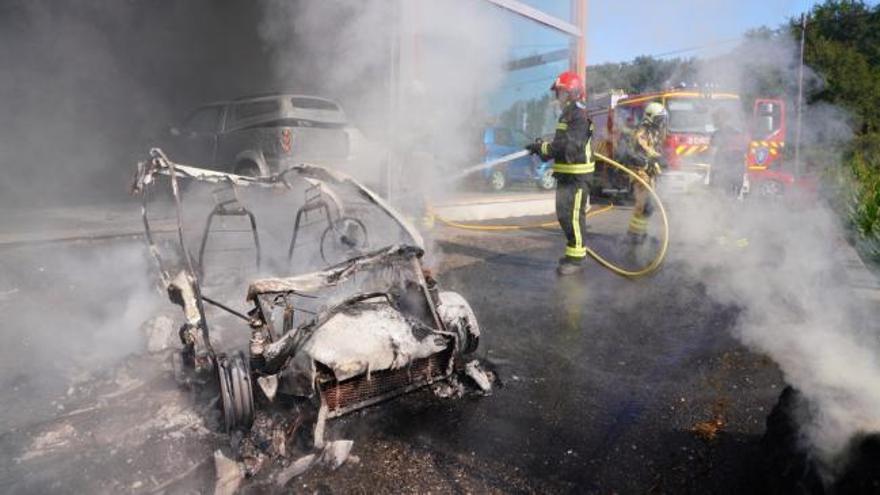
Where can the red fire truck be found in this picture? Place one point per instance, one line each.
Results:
(689, 133)
(764, 158)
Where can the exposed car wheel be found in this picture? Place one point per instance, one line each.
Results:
(547, 181)
(247, 169)
(497, 180)
(770, 189)
(236, 393)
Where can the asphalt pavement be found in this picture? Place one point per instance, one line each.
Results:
(607, 385)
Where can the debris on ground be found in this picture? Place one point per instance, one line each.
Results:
(481, 377)
(708, 430)
(295, 469)
(333, 455)
(269, 385)
(336, 453)
(448, 389)
(228, 476)
(50, 441)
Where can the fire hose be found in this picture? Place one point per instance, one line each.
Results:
(646, 270)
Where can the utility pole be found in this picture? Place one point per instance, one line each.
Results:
(392, 162)
(800, 99)
(579, 45)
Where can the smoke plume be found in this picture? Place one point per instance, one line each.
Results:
(796, 304)
(413, 76)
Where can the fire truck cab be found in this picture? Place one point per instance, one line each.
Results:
(765, 174)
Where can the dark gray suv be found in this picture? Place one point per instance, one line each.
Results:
(259, 135)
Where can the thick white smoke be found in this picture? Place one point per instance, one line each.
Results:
(797, 305)
(412, 74)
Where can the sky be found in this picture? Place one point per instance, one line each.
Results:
(620, 30)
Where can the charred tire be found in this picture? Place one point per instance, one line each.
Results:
(236, 392)
(351, 240)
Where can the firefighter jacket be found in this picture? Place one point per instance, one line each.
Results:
(649, 140)
(570, 149)
(648, 147)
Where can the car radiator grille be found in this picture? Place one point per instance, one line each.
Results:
(361, 391)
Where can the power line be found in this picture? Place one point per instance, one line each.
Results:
(697, 48)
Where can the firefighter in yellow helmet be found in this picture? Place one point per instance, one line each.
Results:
(647, 158)
(572, 165)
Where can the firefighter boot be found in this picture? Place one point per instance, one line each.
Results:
(569, 266)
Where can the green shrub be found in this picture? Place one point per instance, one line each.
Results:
(861, 196)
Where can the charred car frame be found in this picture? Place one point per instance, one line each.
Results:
(339, 312)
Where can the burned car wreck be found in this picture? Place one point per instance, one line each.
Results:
(306, 290)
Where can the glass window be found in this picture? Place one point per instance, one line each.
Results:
(560, 9)
(768, 119)
(313, 103)
(248, 110)
(689, 115)
(503, 137)
(522, 101)
(520, 138)
(205, 119)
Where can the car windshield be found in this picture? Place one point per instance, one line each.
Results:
(694, 115)
(312, 103)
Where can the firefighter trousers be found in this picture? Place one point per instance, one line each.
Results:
(572, 202)
(643, 208)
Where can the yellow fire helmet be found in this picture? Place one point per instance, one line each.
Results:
(655, 113)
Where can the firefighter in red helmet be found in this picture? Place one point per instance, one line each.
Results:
(572, 165)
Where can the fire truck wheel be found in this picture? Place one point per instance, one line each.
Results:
(497, 180)
(547, 181)
(770, 189)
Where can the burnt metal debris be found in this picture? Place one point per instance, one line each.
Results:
(342, 313)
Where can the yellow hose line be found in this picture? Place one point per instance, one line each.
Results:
(650, 268)
(658, 260)
(513, 227)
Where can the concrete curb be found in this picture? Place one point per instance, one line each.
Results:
(862, 281)
(496, 207)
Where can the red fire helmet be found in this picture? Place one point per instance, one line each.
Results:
(570, 82)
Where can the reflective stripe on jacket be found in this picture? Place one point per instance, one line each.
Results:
(570, 149)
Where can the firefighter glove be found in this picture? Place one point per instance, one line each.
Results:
(535, 147)
(655, 169)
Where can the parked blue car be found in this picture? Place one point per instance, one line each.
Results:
(501, 141)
